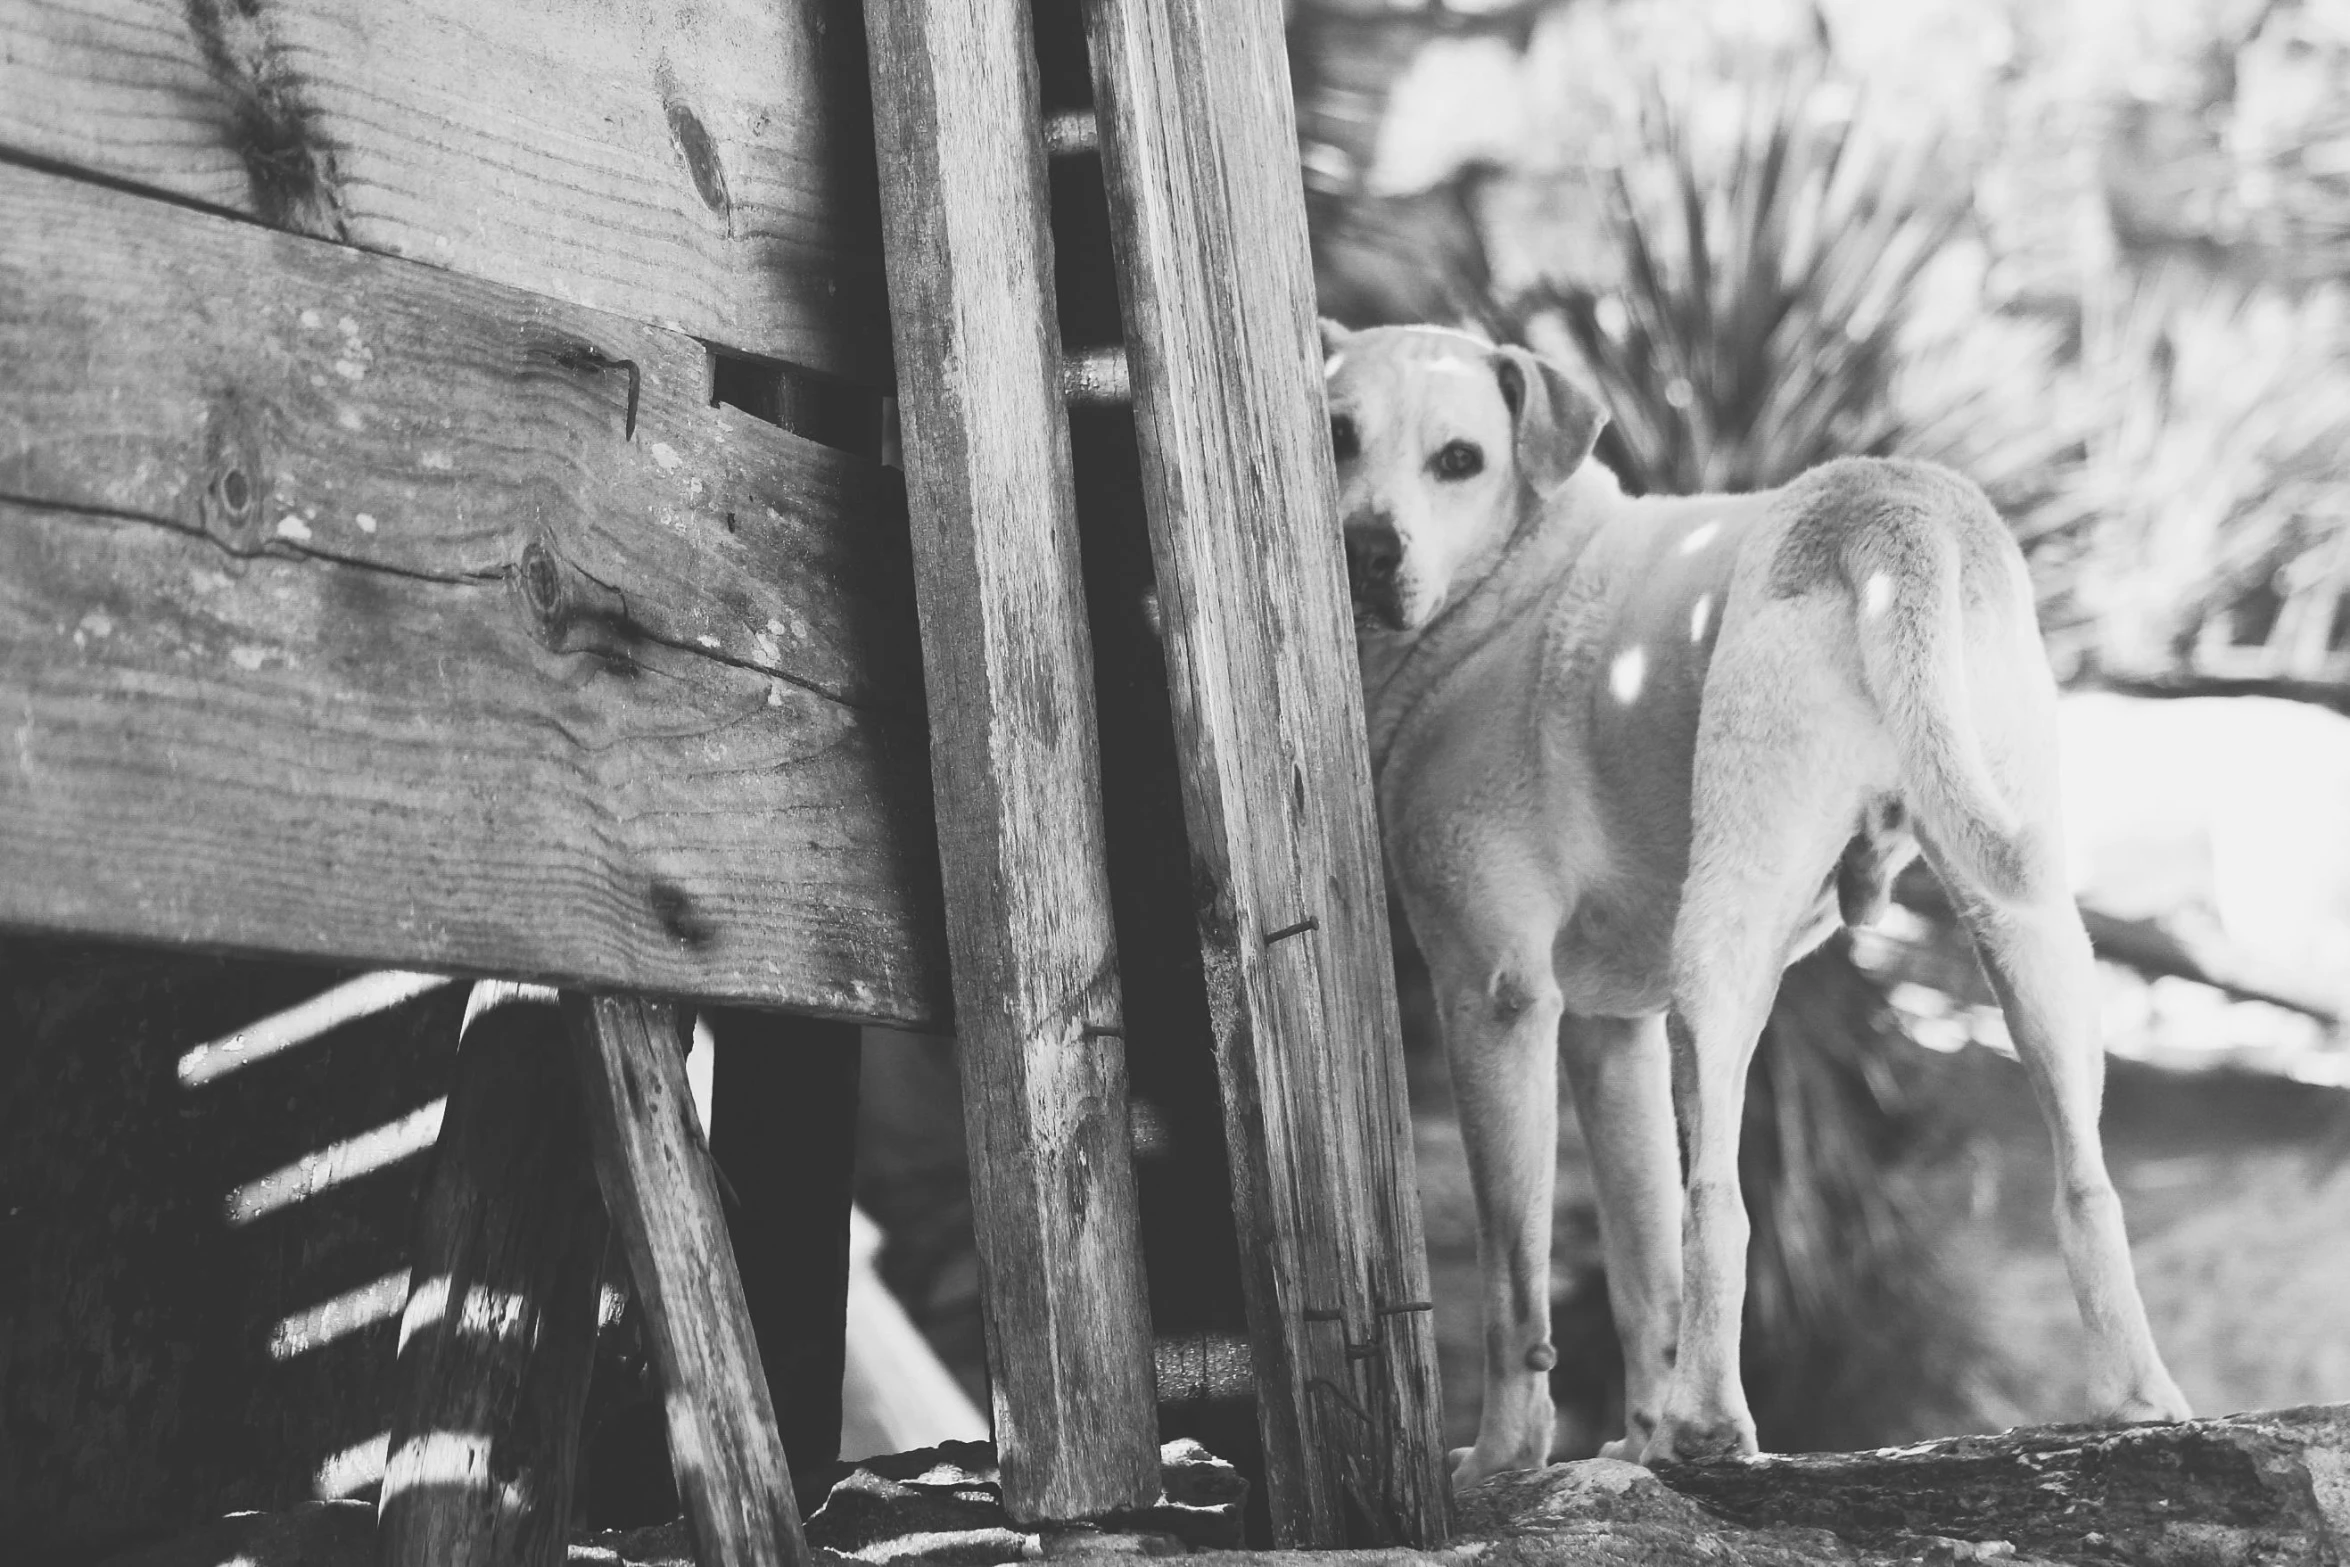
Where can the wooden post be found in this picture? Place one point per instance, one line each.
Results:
(663, 1200)
(1183, 1184)
(1200, 160)
(499, 1335)
(783, 1128)
(1013, 754)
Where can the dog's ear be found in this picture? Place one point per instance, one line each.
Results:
(1334, 337)
(1557, 421)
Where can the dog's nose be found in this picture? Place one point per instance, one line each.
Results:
(1372, 554)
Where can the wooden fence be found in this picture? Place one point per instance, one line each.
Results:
(442, 526)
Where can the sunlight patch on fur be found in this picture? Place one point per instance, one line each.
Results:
(1627, 674)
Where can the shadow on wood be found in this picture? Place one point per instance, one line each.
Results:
(499, 1334)
(661, 1191)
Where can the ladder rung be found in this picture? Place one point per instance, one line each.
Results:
(1205, 1368)
(1097, 377)
(1070, 132)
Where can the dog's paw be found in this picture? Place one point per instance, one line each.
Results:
(2156, 1399)
(1693, 1439)
(1638, 1429)
(1470, 1465)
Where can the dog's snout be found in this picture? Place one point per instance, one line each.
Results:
(1372, 554)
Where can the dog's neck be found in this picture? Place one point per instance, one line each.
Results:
(1400, 669)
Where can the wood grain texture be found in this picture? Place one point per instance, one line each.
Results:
(499, 1336)
(1199, 155)
(661, 1192)
(339, 618)
(1015, 766)
(705, 168)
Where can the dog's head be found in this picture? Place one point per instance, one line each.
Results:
(1443, 444)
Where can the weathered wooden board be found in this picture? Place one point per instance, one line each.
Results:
(703, 167)
(339, 616)
(1016, 768)
(661, 1192)
(498, 1337)
(1199, 156)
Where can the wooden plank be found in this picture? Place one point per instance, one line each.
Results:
(499, 1336)
(662, 1195)
(706, 168)
(1014, 760)
(340, 617)
(1183, 1185)
(783, 1128)
(1199, 154)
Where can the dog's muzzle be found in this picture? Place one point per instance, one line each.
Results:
(1373, 552)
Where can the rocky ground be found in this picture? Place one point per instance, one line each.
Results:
(2262, 1490)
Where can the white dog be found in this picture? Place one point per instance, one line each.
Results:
(1633, 758)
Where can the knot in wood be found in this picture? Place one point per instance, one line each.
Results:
(541, 576)
(701, 159)
(232, 496)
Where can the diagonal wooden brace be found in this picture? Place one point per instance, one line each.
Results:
(662, 1195)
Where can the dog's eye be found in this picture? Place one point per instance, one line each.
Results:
(1344, 444)
(1458, 460)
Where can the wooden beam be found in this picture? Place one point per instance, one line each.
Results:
(1013, 753)
(659, 1189)
(340, 615)
(707, 169)
(783, 1128)
(2188, 683)
(1199, 155)
(2152, 948)
(499, 1335)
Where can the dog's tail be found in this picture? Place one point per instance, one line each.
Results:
(1905, 580)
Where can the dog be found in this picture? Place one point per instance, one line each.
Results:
(1633, 757)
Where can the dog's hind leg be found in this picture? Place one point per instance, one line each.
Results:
(1777, 782)
(1994, 830)
(1622, 1081)
(2037, 957)
(1501, 1018)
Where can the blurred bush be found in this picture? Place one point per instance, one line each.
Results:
(1770, 260)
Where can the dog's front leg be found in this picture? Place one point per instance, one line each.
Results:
(1501, 1037)
(1624, 1098)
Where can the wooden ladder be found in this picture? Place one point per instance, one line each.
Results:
(1186, 115)
(1187, 111)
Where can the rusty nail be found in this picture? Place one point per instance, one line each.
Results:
(588, 357)
(1287, 931)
